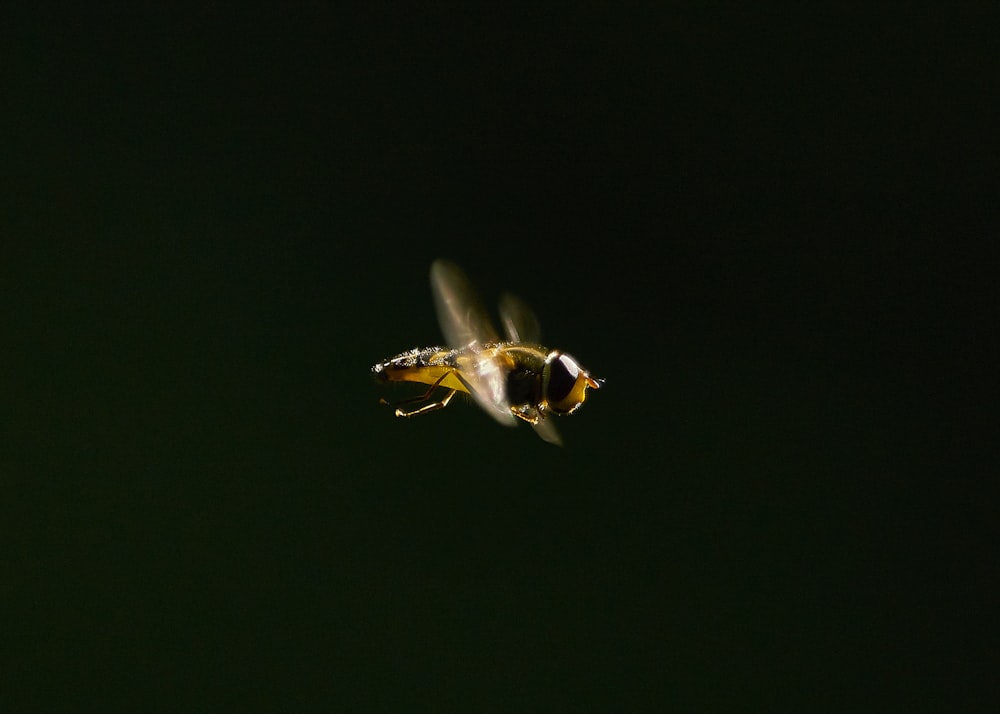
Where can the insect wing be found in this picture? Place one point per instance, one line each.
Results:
(520, 324)
(466, 325)
(460, 312)
(546, 429)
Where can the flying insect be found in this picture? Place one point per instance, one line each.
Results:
(512, 379)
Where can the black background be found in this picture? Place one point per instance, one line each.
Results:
(760, 227)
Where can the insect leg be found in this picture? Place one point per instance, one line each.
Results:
(428, 407)
(441, 404)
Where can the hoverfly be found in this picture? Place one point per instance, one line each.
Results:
(511, 379)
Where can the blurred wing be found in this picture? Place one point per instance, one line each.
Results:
(466, 324)
(460, 312)
(548, 432)
(520, 324)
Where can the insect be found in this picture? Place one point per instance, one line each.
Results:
(514, 378)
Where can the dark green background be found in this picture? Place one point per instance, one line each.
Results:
(755, 226)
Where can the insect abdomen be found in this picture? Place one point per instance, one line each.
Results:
(428, 365)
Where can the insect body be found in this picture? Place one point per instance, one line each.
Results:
(510, 379)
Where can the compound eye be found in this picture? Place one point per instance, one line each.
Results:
(565, 383)
(563, 372)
